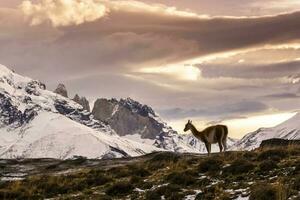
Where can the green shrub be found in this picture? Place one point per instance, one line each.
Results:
(119, 189)
(273, 154)
(145, 185)
(138, 170)
(263, 192)
(151, 195)
(162, 159)
(267, 165)
(296, 184)
(170, 192)
(181, 178)
(210, 165)
(250, 155)
(239, 166)
(166, 157)
(297, 167)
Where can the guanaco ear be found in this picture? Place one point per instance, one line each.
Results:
(191, 121)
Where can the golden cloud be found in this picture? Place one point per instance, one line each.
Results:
(74, 12)
(63, 12)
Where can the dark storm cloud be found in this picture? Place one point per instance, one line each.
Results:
(200, 36)
(273, 70)
(222, 111)
(282, 96)
(85, 56)
(145, 38)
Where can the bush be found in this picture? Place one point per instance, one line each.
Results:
(138, 171)
(296, 184)
(207, 194)
(119, 172)
(273, 154)
(181, 178)
(250, 155)
(267, 165)
(210, 165)
(162, 159)
(170, 192)
(165, 156)
(297, 167)
(239, 166)
(119, 189)
(263, 192)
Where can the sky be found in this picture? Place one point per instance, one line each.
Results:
(235, 62)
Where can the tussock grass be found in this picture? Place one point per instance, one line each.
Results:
(263, 174)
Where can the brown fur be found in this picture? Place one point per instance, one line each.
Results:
(210, 135)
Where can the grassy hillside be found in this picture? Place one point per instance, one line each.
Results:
(261, 174)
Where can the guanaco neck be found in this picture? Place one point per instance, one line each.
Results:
(194, 130)
(197, 133)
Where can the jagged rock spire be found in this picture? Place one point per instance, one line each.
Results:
(83, 102)
(61, 89)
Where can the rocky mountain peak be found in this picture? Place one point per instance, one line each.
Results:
(83, 102)
(61, 89)
(128, 117)
(137, 107)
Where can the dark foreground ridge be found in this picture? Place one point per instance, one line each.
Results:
(261, 174)
(277, 142)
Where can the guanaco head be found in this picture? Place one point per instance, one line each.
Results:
(188, 126)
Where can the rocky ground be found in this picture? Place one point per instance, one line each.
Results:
(260, 174)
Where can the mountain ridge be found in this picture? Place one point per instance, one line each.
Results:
(289, 129)
(29, 111)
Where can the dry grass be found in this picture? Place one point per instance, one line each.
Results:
(273, 174)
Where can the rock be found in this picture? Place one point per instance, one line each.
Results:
(61, 89)
(277, 142)
(128, 117)
(10, 115)
(83, 102)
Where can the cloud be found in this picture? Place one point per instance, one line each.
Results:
(252, 71)
(221, 112)
(134, 36)
(63, 12)
(281, 96)
(75, 12)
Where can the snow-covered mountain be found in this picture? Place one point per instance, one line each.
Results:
(289, 129)
(135, 121)
(35, 122)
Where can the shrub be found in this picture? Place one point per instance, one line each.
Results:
(250, 155)
(135, 179)
(273, 154)
(165, 156)
(162, 159)
(208, 194)
(267, 165)
(297, 167)
(150, 195)
(138, 171)
(170, 192)
(239, 166)
(263, 192)
(145, 185)
(296, 184)
(119, 172)
(119, 189)
(181, 178)
(210, 165)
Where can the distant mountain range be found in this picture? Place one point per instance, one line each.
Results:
(38, 123)
(35, 122)
(289, 130)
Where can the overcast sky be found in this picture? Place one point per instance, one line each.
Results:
(225, 61)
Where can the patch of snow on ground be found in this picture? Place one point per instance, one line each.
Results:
(193, 196)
